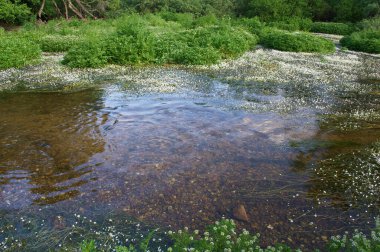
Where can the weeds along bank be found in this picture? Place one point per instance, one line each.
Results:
(174, 38)
(141, 40)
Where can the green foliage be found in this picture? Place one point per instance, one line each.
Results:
(332, 28)
(296, 42)
(131, 44)
(293, 24)
(252, 25)
(57, 43)
(86, 54)
(17, 51)
(363, 41)
(88, 246)
(13, 12)
(358, 242)
(370, 24)
(230, 42)
(207, 20)
(221, 236)
(185, 19)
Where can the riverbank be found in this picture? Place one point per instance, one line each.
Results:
(260, 65)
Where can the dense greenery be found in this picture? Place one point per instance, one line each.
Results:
(17, 52)
(332, 28)
(364, 41)
(152, 40)
(296, 42)
(223, 236)
(266, 10)
(13, 12)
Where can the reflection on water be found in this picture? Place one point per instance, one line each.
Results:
(45, 139)
(187, 153)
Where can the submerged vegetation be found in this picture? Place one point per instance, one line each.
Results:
(223, 236)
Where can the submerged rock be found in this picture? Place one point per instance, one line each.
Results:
(239, 213)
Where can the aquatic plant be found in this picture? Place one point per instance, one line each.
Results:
(353, 178)
(223, 236)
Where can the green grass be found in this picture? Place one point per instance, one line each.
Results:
(16, 51)
(296, 42)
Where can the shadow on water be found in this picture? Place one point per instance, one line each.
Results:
(186, 152)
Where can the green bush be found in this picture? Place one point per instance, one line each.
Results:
(296, 42)
(370, 24)
(293, 24)
(57, 43)
(253, 25)
(185, 19)
(332, 28)
(363, 41)
(206, 20)
(132, 43)
(88, 54)
(18, 52)
(13, 12)
(196, 56)
(229, 41)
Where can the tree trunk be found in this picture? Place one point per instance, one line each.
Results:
(66, 10)
(75, 10)
(41, 10)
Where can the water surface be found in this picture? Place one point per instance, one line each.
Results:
(303, 159)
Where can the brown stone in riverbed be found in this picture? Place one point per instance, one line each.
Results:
(239, 213)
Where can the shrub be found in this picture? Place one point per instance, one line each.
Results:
(87, 54)
(363, 41)
(13, 12)
(57, 43)
(293, 24)
(370, 24)
(206, 20)
(253, 25)
(18, 52)
(332, 28)
(296, 42)
(229, 41)
(132, 43)
(185, 19)
(196, 56)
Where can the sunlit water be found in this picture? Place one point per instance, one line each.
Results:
(115, 162)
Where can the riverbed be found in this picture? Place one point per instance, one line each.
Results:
(113, 153)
